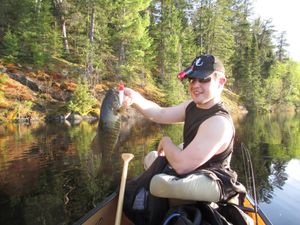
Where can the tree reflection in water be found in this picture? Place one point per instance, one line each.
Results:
(273, 141)
(51, 174)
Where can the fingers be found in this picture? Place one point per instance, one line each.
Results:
(160, 151)
(127, 101)
(128, 97)
(161, 146)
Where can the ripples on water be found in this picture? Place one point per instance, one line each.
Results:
(52, 174)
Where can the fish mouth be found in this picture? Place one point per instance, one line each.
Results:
(121, 109)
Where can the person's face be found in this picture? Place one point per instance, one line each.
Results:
(204, 91)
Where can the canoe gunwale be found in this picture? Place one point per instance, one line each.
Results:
(99, 206)
(113, 196)
(259, 211)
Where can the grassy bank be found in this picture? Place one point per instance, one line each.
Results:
(29, 93)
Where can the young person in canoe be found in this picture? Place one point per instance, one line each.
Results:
(208, 137)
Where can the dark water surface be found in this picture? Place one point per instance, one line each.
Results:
(53, 174)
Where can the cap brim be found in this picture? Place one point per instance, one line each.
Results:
(200, 74)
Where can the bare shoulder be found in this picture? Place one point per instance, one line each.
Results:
(219, 119)
(218, 124)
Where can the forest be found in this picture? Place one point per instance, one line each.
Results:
(146, 43)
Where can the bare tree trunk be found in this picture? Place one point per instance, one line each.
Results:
(64, 34)
(90, 68)
(92, 28)
(59, 7)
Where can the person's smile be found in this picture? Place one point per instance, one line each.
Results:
(197, 92)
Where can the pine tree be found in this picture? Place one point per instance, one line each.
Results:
(242, 42)
(212, 25)
(167, 35)
(281, 53)
(11, 46)
(30, 21)
(130, 39)
(264, 33)
(60, 10)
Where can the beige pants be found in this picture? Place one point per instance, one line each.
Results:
(193, 187)
(149, 159)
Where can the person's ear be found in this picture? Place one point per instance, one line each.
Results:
(222, 81)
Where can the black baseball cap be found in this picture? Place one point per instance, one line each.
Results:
(201, 67)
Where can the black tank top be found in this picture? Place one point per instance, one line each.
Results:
(194, 117)
(217, 167)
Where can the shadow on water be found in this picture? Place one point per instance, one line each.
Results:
(53, 174)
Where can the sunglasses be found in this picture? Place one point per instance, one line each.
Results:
(200, 80)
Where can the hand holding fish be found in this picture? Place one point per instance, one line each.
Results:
(128, 97)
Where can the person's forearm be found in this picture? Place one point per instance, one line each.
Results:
(149, 109)
(173, 154)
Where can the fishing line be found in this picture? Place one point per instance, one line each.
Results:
(247, 172)
(249, 162)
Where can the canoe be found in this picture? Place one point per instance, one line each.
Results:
(104, 213)
(257, 214)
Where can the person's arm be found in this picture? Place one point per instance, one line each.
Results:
(153, 111)
(213, 137)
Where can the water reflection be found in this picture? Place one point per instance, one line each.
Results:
(273, 141)
(53, 174)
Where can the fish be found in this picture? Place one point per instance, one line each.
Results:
(109, 124)
(105, 143)
(110, 117)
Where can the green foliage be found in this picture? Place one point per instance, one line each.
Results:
(82, 136)
(281, 132)
(172, 49)
(175, 92)
(39, 56)
(130, 39)
(174, 132)
(283, 85)
(146, 41)
(23, 109)
(11, 46)
(82, 100)
(3, 78)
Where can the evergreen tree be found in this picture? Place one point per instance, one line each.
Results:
(148, 42)
(264, 34)
(253, 94)
(130, 39)
(283, 84)
(11, 46)
(60, 10)
(102, 51)
(167, 35)
(242, 43)
(212, 24)
(31, 22)
(281, 52)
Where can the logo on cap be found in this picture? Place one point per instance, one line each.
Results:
(199, 62)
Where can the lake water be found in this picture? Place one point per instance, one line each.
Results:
(53, 174)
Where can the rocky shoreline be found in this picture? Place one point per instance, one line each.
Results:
(46, 93)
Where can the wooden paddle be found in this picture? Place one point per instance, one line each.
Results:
(126, 158)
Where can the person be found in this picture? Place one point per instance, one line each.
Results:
(208, 135)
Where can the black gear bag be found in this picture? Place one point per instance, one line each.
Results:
(140, 206)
